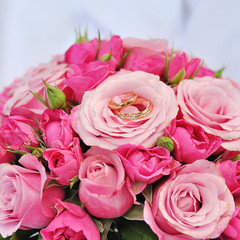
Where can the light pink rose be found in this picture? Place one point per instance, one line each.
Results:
(191, 142)
(194, 203)
(231, 172)
(21, 192)
(102, 184)
(98, 125)
(16, 132)
(23, 101)
(71, 222)
(232, 232)
(212, 104)
(56, 129)
(64, 164)
(146, 165)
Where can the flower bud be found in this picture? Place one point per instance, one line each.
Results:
(166, 142)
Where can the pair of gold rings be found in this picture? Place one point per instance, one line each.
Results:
(118, 103)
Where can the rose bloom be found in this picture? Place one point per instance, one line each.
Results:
(146, 165)
(56, 129)
(16, 132)
(71, 222)
(102, 184)
(64, 164)
(191, 142)
(6, 156)
(194, 203)
(23, 203)
(212, 104)
(98, 125)
(23, 101)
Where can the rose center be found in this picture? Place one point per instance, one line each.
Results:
(188, 203)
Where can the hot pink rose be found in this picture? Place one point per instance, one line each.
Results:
(191, 142)
(56, 129)
(88, 76)
(232, 232)
(102, 184)
(6, 156)
(212, 104)
(64, 164)
(23, 101)
(71, 222)
(98, 125)
(146, 165)
(23, 204)
(231, 172)
(194, 203)
(16, 132)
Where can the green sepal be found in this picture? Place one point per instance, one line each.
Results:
(218, 73)
(106, 223)
(179, 77)
(166, 68)
(236, 158)
(38, 96)
(74, 180)
(135, 213)
(166, 142)
(79, 37)
(18, 152)
(147, 193)
(107, 57)
(123, 59)
(195, 74)
(99, 44)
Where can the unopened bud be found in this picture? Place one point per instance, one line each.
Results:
(166, 142)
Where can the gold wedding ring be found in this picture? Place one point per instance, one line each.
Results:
(135, 116)
(130, 99)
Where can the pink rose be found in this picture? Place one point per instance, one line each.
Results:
(194, 203)
(23, 101)
(191, 142)
(6, 156)
(88, 76)
(232, 232)
(64, 164)
(16, 132)
(146, 165)
(98, 125)
(212, 104)
(23, 204)
(72, 223)
(231, 172)
(102, 184)
(56, 129)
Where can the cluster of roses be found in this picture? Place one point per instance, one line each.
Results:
(68, 162)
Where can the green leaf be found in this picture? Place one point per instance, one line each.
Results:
(135, 213)
(218, 73)
(137, 230)
(147, 193)
(123, 59)
(179, 77)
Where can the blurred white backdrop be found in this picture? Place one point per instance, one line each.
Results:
(32, 32)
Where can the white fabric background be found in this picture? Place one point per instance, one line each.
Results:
(31, 31)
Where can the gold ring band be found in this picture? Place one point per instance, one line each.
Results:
(125, 103)
(136, 116)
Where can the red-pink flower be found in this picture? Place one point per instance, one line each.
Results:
(64, 164)
(191, 142)
(71, 222)
(56, 129)
(102, 184)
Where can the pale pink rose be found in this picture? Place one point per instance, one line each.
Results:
(64, 164)
(102, 184)
(23, 101)
(56, 129)
(157, 45)
(71, 222)
(98, 125)
(146, 165)
(231, 172)
(191, 142)
(21, 205)
(212, 104)
(16, 132)
(232, 232)
(194, 203)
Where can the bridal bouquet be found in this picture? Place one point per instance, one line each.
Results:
(120, 139)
